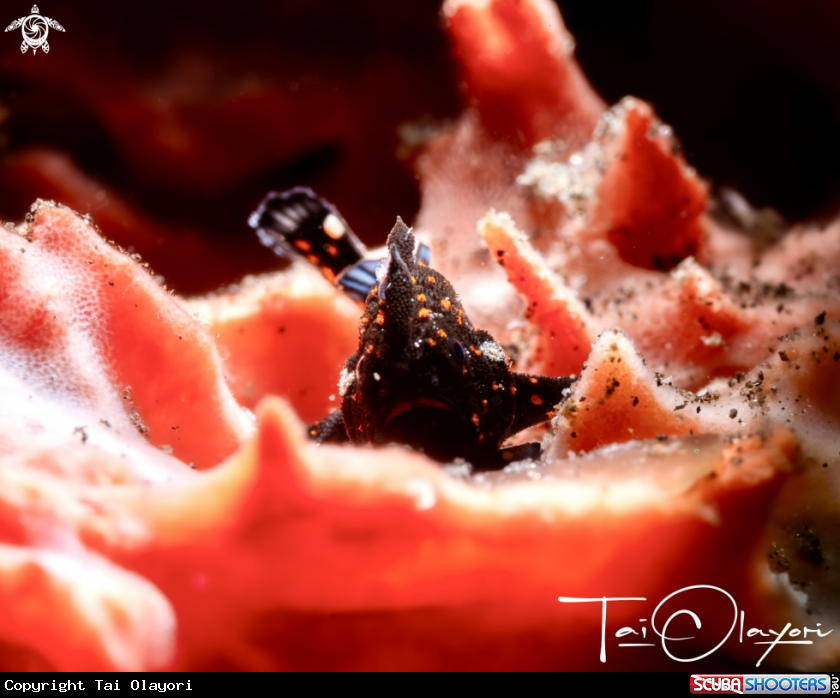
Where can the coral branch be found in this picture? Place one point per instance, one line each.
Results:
(517, 62)
(564, 341)
(649, 202)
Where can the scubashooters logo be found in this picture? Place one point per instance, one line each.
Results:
(763, 684)
(35, 28)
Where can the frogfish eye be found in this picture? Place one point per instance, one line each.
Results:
(458, 348)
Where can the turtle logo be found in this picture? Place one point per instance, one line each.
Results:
(35, 28)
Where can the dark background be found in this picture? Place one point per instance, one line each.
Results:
(187, 114)
(751, 87)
